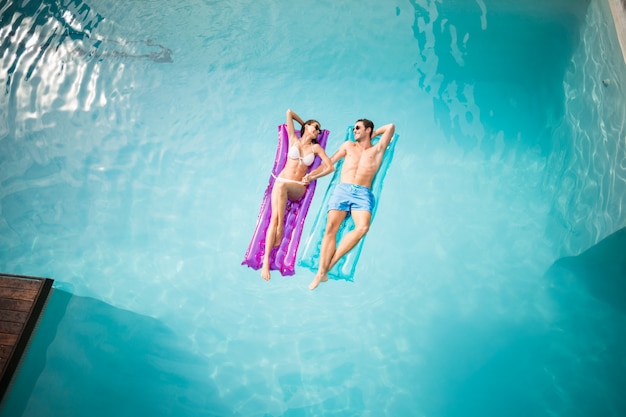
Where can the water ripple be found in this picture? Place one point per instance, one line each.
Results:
(54, 56)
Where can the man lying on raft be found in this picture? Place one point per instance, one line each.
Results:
(352, 196)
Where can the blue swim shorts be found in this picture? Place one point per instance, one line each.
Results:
(347, 197)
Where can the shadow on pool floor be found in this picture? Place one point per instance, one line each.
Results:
(90, 358)
(601, 269)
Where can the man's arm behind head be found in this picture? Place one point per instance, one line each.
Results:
(387, 132)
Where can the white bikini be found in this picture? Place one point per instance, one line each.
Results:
(294, 153)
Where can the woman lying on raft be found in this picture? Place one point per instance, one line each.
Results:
(289, 184)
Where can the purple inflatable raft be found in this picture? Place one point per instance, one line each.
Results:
(283, 257)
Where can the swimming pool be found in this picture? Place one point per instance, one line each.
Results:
(137, 139)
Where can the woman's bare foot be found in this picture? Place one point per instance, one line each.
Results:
(316, 281)
(265, 273)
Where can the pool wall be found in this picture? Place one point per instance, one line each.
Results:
(587, 167)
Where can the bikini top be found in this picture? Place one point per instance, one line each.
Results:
(294, 153)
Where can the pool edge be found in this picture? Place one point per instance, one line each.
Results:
(618, 10)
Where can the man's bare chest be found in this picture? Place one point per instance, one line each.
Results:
(356, 156)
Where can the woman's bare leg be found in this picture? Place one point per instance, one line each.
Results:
(269, 244)
(274, 234)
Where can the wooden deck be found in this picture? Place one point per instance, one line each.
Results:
(22, 300)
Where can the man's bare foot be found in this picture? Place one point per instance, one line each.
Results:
(316, 281)
(265, 273)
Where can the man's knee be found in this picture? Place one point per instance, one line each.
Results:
(361, 223)
(362, 229)
(334, 221)
(332, 228)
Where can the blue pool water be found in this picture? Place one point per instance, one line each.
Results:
(136, 139)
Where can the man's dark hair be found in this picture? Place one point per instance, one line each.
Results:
(367, 123)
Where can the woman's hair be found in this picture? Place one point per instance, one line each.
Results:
(308, 122)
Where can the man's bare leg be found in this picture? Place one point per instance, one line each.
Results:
(329, 246)
(362, 221)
